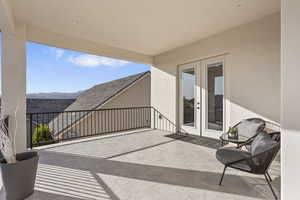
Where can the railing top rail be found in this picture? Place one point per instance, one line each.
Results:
(91, 110)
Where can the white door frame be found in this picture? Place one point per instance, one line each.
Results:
(204, 66)
(197, 102)
(201, 95)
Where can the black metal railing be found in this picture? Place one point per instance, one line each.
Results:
(53, 127)
(161, 122)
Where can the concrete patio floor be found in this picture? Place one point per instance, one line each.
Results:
(145, 165)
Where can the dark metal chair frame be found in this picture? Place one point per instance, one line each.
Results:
(261, 128)
(258, 169)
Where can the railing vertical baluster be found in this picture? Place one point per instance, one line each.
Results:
(133, 115)
(154, 119)
(131, 118)
(62, 125)
(110, 120)
(117, 120)
(86, 125)
(52, 119)
(101, 121)
(136, 119)
(74, 124)
(98, 122)
(30, 129)
(67, 124)
(144, 118)
(80, 124)
(104, 121)
(122, 119)
(139, 117)
(116, 123)
(90, 123)
(58, 122)
(95, 122)
(85, 132)
(114, 120)
(149, 116)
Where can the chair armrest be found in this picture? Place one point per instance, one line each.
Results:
(248, 142)
(249, 160)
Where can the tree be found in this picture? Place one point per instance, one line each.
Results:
(41, 134)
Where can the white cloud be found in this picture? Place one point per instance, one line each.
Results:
(57, 52)
(87, 60)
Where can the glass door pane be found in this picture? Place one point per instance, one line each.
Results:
(215, 92)
(188, 95)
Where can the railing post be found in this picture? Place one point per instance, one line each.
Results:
(30, 130)
(154, 118)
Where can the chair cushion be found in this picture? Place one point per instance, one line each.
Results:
(262, 142)
(228, 155)
(249, 128)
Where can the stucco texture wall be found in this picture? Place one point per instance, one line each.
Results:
(252, 71)
(104, 121)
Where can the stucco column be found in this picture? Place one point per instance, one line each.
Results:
(13, 79)
(290, 99)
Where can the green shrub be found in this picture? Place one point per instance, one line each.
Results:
(41, 134)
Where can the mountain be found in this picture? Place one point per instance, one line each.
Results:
(54, 95)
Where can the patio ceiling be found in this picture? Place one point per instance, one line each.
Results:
(139, 26)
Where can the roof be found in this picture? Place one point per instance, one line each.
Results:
(47, 105)
(92, 99)
(35, 105)
(99, 94)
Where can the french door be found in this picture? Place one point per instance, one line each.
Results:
(201, 93)
(190, 98)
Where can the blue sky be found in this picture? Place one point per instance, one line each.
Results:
(51, 69)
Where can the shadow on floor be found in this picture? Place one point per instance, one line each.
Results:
(204, 180)
(198, 140)
(39, 195)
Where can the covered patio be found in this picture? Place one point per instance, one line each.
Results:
(255, 43)
(145, 164)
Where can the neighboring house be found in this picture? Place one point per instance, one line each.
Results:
(51, 106)
(129, 92)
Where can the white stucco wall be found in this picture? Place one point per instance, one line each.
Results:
(290, 108)
(252, 70)
(13, 84)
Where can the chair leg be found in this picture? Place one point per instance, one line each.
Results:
(267, 179)
(220, 183)
(269, 176)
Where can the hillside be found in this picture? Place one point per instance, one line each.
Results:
(53, 95)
